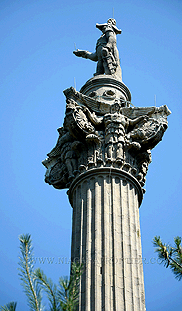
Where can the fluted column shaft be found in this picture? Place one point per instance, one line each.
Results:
(106, 238)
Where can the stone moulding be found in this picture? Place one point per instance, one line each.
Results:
(95, 94)
(109, 171)
(103, 81)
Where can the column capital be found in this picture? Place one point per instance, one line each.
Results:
(101, 130)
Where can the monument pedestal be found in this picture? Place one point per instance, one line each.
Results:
(106, 239)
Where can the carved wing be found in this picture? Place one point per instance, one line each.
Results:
(148, 133)
(55, 151)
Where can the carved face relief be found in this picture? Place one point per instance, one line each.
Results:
(115, 107)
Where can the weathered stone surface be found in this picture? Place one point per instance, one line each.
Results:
(106, 239)
(104, 132)
(102, 155)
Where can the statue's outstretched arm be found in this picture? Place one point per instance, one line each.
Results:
(86, 54)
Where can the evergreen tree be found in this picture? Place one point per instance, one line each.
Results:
(27, 274)
(11, 306)
(170, 256)
(63, 297)
(68, 292)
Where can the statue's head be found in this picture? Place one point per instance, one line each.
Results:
(111, 21)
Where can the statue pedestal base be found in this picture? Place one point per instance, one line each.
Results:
(106, 89)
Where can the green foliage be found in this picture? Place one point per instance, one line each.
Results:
(11, 306)
(170, 256)
(63, 297)
(68, 292)
(50, 289)
(29, 282)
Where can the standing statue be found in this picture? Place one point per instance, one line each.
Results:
(106, 54)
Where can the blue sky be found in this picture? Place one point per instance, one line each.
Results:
(36, 65)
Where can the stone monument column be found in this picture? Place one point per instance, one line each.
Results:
(102, 157)
(106, 238)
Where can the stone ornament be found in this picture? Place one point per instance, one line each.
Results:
(121, 138)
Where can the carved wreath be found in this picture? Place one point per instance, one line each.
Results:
(82, 122)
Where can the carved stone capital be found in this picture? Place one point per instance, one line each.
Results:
(100, 132)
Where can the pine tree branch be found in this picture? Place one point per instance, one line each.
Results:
(11, 306)
(176, 263)
(29, 278)
(29, 283)
(48, 286)
(170, 256)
